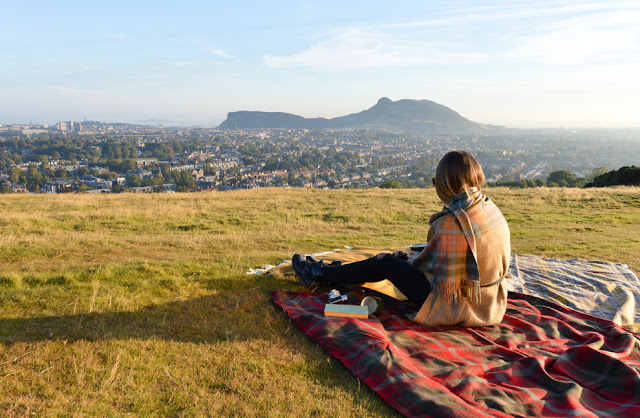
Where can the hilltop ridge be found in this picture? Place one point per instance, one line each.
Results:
(401, 115)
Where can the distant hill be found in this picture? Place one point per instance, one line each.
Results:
(401, 115)
(275, 120)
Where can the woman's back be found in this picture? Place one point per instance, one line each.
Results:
(493, 252)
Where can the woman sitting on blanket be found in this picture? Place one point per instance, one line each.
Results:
(457, 279)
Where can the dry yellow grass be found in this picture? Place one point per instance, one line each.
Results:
(139, 304)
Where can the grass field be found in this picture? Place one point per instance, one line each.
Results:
(140, 304)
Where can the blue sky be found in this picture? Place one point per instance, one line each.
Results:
(528, 64)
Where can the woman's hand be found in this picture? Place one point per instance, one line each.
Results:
(411, 255)
(401, 255)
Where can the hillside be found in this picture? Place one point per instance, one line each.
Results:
(140, 304)
(401, 115)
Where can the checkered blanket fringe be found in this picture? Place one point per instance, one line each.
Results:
(606, 290)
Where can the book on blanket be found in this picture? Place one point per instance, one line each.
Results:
(346, 311)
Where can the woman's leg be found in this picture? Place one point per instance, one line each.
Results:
(408, 279)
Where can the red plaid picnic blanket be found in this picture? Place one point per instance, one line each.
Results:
(542, 360)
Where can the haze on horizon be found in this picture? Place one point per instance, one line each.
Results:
(519, 64)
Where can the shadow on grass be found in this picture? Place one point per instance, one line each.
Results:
(234, 314)
(192, 320)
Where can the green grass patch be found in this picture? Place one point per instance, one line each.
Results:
(140, 304)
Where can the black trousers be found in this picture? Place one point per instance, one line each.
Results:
(403, 275)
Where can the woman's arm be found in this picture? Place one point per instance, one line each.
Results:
(419, 258)
(422, 258)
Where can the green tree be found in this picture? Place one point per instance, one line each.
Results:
(60, 173)
(127, 165)
(134, 181)
(628, 176)
(156, 180)
(391, 184)
(185, 181)
(14, 175)
(597, 172)
(35, 179)
(563, 178)
(113, 165)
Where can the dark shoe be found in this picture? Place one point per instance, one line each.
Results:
(309, 274)
(332, 264)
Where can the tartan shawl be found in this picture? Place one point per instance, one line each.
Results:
(450, 255)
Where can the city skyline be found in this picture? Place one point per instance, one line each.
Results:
(551, 64)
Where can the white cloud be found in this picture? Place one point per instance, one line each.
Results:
(553, 33)
(514, 11)
(219, 53)
(355, 48)
(593, 38)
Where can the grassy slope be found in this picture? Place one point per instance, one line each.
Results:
(116, 304)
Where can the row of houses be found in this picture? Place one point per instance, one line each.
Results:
(160, 188)
(65, 186)
(102, 186)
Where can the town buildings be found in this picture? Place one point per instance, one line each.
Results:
(92, 156)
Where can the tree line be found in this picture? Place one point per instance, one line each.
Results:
(599, 177)
(34, 178)
(90, 148)
(625, 176)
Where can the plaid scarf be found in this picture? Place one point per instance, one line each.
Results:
(451, 254)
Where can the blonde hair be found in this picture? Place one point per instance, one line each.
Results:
(457, 172)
